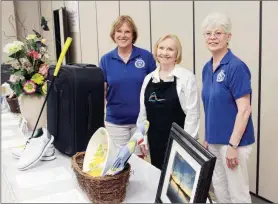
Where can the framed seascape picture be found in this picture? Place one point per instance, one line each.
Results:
(187, 170)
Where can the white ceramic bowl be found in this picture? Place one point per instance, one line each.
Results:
(101, 136)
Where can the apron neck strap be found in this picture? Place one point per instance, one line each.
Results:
(175, 79)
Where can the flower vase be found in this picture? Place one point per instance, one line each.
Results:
(30, 107)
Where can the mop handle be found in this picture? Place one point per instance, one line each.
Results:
(62, 55)
(57, 68)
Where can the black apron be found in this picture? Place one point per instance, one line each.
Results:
(163, 108)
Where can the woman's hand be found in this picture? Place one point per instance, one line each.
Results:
(231, 157)
(144, 149)
(205, 144)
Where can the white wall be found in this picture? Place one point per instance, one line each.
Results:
(8, 26)
(89, 34)
(46, 12)
(107, 12)
(156, 18)
(268, 178)
(28, 17)
(140, 13)
(179, 22)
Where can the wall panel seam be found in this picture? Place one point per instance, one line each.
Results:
(80, 41)
(119, 2)
(15, 24)
(259, 101)
(150, 8)
(97, 32)
(193, 24)
(40, 16)
(53, 32)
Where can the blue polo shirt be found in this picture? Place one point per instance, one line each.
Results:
(230, 81)
(124, 81)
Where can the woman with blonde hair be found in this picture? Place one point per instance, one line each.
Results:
(124, 68)
(226, 95)
(169, 94)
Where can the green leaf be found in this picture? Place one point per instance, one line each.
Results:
(17, 88)
(17, 55)
(19, 73)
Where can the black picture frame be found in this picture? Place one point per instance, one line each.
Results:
(187, 157)
(61, 32)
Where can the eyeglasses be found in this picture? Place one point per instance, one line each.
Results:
(216, 34)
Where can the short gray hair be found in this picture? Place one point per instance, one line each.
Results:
(217, 20)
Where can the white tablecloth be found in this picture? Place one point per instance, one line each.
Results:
(54, 181)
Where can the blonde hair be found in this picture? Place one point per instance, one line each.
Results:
(119, 22)
(217, 20)
(178, 43)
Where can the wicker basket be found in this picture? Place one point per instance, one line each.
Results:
(106, 189)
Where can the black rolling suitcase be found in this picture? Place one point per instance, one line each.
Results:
(75, 106)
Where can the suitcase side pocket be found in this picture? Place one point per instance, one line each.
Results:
(59, 109)
(52, 107)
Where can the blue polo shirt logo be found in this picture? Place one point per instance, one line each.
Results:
(139, 63)
(220, 76)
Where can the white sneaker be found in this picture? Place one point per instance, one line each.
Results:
(34, 151)
(49, 155)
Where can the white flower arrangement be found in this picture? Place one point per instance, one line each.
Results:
(29, 65)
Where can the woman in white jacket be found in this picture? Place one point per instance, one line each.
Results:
(169, 94)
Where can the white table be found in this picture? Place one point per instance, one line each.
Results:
(54, 181)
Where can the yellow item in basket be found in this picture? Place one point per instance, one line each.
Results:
(97, 163)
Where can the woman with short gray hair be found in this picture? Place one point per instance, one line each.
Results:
(226, 95)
